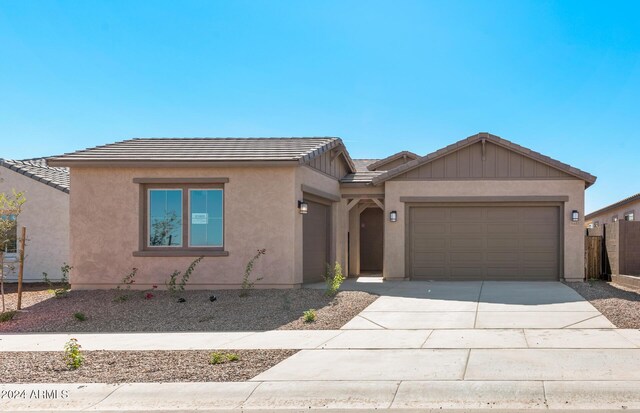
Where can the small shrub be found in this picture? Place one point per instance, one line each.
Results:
(126, 284)
(246, 284)
(65, 270)
(173, 286)
(64, 290)
(72, 354)
(171, 282)
(57, 292)
(7, 316)
(79, 316)
(309, 315)
(333, 279)
(221, 358)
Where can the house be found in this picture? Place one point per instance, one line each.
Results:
(619, 230)
(625, 210)
(482, 208)
(45, 215)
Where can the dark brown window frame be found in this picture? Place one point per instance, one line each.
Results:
(184, 184)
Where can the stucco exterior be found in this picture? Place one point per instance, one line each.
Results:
(394, 239)
(260, 212)
(46, 217)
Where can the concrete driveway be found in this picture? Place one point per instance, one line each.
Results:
(466, 305)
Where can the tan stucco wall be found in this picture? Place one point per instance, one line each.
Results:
(46, 217)
(607, 216)
(260, 212)
(394, 241)
(339, 218)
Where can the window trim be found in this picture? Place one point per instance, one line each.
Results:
(144, 250)
(221, 246)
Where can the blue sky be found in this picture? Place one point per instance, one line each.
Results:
(562, 78)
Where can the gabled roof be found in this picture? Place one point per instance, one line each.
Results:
(37, 168)
(194, 150)
(400, 155)
(588, 178)
(623, 202)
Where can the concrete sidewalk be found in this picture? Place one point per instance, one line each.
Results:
(336, 339)
(477, 396)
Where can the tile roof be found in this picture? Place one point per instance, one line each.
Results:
(620, 203)
(205, 149)
(360, 177)
(37, 168)
(363, 164)
(585, 176)
(404, 154)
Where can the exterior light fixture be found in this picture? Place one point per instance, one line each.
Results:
(393, 216)
(303, 207)
(575, 215)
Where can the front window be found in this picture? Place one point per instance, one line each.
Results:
(165, 217)
(629, 216)
(10, 244)
(184, 217)
(205, 218)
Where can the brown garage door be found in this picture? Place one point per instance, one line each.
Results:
(315, 234)
(484, 243)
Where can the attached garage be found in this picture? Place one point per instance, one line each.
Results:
(315, 235)
(484, 242)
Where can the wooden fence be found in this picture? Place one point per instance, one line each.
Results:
(592, 256)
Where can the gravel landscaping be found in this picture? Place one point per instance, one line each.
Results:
(261, 310)
(136, 366)
(621, 305)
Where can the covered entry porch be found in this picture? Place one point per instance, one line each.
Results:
(366, 234)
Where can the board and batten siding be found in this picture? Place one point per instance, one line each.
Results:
(496, 162)
(336, 168)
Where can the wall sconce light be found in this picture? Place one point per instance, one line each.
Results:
(575, 216)
(303, 207)
(393, 216)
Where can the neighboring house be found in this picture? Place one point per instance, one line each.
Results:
(624, 210)
(45, 215)
(480, 209)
